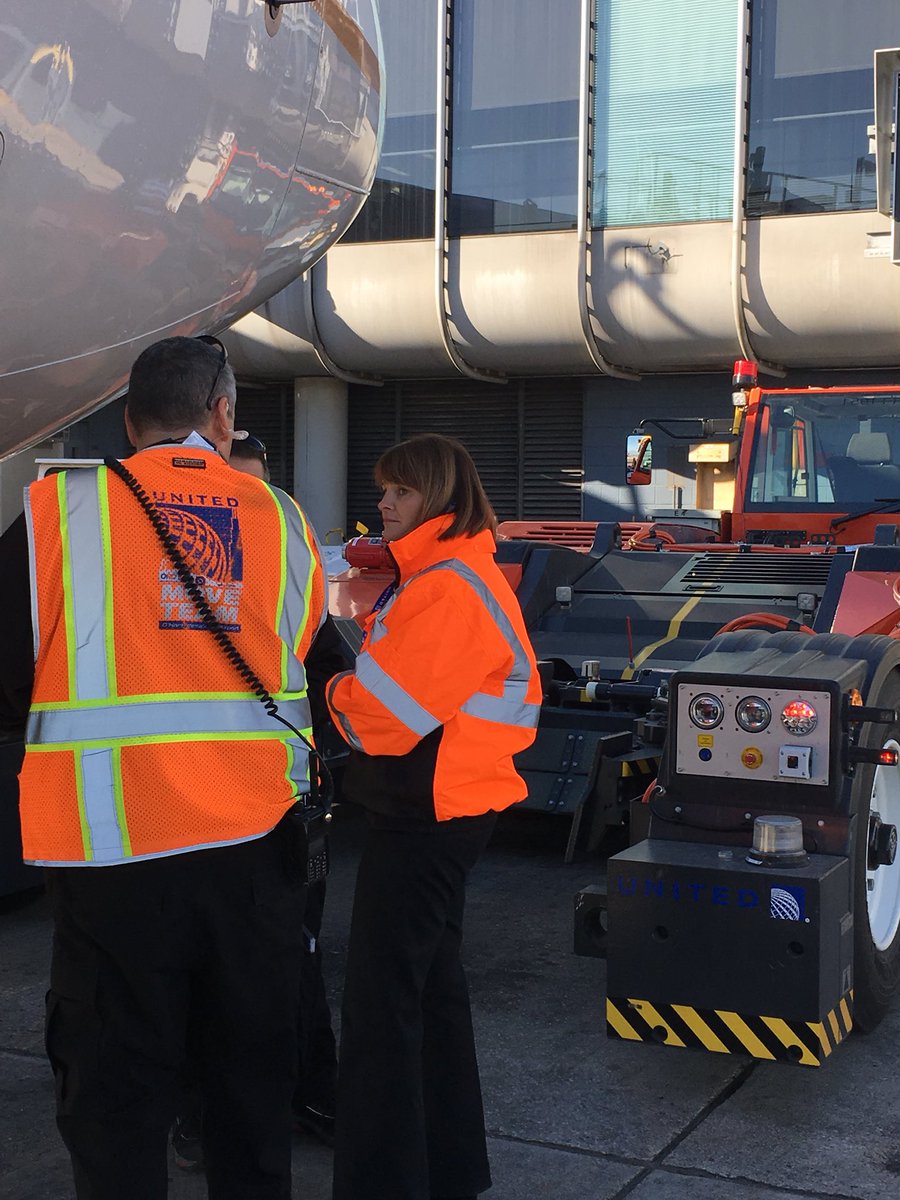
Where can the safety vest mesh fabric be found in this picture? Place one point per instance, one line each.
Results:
(481, 683)
(142, 739)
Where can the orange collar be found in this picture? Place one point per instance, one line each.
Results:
(420, 547)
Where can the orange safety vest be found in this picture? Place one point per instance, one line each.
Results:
(142, 739)
(449, 650)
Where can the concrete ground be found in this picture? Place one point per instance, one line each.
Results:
(570, 1115)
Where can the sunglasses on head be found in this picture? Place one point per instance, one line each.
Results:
(254, 443)
(209, 340)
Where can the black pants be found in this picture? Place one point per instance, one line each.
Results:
(208, 941)
(317, 1053)
(410, 1123)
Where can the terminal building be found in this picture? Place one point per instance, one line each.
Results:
(584, 212)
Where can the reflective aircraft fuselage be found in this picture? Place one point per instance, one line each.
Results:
(167, 165)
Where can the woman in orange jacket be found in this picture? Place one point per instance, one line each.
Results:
(444, 692)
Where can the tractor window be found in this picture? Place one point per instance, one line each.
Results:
(822, 448)
(789, 465)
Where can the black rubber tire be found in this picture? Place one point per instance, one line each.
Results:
(876, 971)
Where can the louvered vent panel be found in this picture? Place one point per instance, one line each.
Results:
(268, 412)
(798, 571)
(485, 419)
(552, 470)
(372, 427)
(525, 438)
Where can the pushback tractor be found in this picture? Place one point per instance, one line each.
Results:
(760, 913)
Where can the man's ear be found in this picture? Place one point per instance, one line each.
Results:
(220, 427)
(223, 422)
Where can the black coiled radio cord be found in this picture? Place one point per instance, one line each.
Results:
(321, 783)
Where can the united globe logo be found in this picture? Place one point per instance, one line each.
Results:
(203, 548)
(209, 540)
(786, 904)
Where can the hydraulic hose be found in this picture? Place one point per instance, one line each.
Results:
(764, 620)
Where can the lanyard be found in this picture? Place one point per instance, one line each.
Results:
(384, 597)
(378, 606)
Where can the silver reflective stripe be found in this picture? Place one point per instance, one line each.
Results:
(505, 709)
(398, 702)
(349, 731)
(89, 596)
(299, 770)
(298, 561)
(378, 629)
(32, 572)
(511, 708)
(161, 718)
(107, 844)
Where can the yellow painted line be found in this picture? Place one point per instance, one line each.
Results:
(695, 1022)
(745, 1035)
(671, 634)
(790, 1041)
(655, 1021)
(619, 1024)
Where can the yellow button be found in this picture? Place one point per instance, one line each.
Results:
(751, 758)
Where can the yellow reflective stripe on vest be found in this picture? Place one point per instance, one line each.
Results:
(127, 722)
(298, 567)
(106, 539)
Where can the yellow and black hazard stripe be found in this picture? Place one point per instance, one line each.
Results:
(640, 767)
(806, 1043)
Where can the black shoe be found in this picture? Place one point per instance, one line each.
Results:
(187, 1147)
(319, 1124)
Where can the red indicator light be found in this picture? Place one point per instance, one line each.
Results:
(799, 717)
(888, 758)
(744, 374)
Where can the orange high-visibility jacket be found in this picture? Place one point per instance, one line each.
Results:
(142, 739)
(445, 690)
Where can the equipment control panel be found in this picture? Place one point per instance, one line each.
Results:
(767, 734)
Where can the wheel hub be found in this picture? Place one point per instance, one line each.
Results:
(882, 843)
(882, 864)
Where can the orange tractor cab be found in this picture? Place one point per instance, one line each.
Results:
(797, 466)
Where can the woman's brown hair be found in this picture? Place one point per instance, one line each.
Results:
(442, 469)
